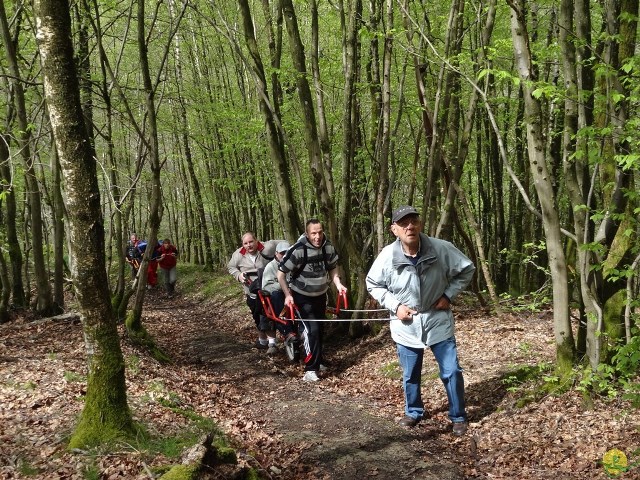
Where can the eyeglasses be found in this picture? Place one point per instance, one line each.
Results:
(409, 219)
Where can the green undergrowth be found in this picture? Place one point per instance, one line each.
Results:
(193, 280)
(530, 383)
(169, 446)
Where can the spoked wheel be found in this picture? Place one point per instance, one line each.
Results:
(292, 347)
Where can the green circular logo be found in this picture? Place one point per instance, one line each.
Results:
(614, 461)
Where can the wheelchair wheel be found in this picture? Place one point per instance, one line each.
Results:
(292, 348)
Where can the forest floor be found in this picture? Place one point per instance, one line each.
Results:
(343, 427)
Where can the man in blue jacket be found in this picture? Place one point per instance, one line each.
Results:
(416, 277)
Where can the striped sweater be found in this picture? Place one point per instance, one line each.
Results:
(309, 277)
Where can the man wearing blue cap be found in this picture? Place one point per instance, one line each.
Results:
(416, 277)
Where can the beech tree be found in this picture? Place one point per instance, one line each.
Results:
(105, 415)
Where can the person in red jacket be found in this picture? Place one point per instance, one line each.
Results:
(168, 258)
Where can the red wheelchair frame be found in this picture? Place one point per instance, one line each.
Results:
(292, 342)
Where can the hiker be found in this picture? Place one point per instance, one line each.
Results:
(167, 261)
(152, 266)
(133, 255)
(312, 262)
(244, 265)
(271, 286)
(416, 278)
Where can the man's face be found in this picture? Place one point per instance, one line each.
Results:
(249, 242)
(134, 238)
(408, 230)
(165, 245)
(315, 234)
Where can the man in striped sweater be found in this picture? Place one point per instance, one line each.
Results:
(312, 263)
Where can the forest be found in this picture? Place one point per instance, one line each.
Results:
(510, 125)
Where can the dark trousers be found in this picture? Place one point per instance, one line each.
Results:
(254, 305)
(311, 332)
(277, 303)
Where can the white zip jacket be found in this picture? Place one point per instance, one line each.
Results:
(393, 280)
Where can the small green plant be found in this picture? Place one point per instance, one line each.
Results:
(30, 385)
(132, 363)
(524, 347)
(73, 377)
(91, 472)
(515, 379)
(25, 468)
(391, 370)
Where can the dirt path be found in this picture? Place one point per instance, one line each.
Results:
(331, 432)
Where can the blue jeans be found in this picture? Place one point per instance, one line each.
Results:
(446, 354)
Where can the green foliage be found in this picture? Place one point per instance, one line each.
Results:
(616, 379)
(533, 302)
(181, 472)
(91, 472)
(25, 468)
(391, 370)
(132, 363)
(73, 377)
(193, 282)
(522, 374)
(530, 383)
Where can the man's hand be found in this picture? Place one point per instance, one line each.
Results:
(288, 300)
(242, 278)
(442, 303)
(405, 313)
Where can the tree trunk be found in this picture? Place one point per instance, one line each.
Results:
(13, 244)
(43, 303)
(565, 348)
(292, 223)
(106, 415)
(134, 320)
(5, 290)
(312, 142)
(195, 184)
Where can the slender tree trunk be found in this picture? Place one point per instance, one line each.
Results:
(106, 414)
(44, 300)
(290, 216)
(58, 231)
(5, 290)
(384, 135)
(195, 184)
(565, 349)
(13, 244)
(134, 320)
(312, 142)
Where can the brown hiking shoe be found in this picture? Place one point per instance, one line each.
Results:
(408, 421)
(460, 428)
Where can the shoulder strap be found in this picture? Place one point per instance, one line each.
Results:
(324, 257)
(298, 271)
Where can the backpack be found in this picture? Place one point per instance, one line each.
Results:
(256, 283)
(298, 271)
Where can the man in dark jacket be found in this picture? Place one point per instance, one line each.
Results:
(133, 255)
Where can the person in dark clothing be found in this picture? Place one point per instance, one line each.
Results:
(133, 255)
(312, 261)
